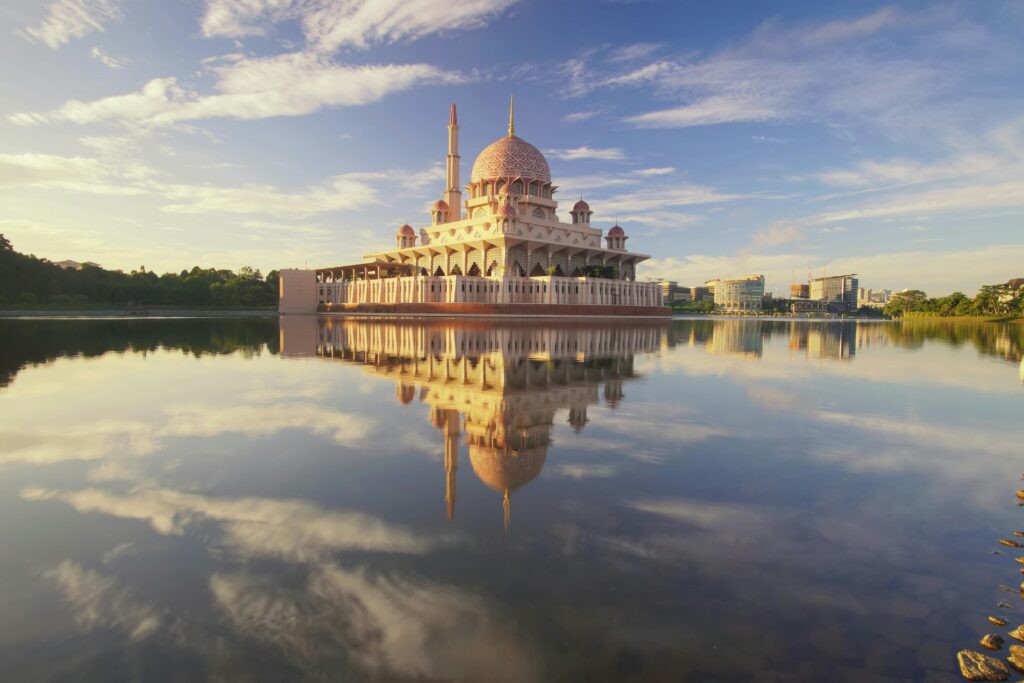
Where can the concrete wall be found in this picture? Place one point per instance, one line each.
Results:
(298, 292)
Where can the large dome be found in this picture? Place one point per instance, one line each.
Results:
(510, 157)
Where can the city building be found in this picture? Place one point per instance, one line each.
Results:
(672, 293)
(501, 250)
(799, 291)
(840, 291)
(806, 306)
(739, 295)
(702, 294)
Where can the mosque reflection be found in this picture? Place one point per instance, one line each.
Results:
(498, 387)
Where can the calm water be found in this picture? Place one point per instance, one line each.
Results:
(430, 501)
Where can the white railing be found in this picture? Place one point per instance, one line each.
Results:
(550, 289)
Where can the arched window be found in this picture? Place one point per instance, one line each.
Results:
(474, 270)
(439, 272)
(456, 270)
(537, 270)
(538, 213)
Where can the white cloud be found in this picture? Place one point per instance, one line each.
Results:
(331, 25)
(80, 174)
(605, 154)
(97, 601)
(292, 84)
(709, 111)
(578, 116)
(106, 60)
(69, 19)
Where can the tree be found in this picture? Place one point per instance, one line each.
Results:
(906, 302)
(5, 244)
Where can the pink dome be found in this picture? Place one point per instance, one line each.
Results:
(506, 210)
(616, 231)
(406, 231)
(440, 205)
(581, 206)
(511, 157)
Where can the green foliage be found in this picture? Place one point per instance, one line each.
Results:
(693, 307)
(605, 272)
(30, 280)
(991, 300)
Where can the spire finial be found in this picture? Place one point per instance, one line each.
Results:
(453, 120)
(511, 116)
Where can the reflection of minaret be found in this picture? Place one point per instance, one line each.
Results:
(448, 421)
(613, 393)
(578, 417)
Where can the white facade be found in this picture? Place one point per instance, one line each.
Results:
(740, 294)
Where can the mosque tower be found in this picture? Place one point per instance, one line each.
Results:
(453, 195)
(447, 420)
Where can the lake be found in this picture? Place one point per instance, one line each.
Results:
(402, 500)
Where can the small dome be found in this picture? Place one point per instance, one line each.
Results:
(616, 231)
(440, 205)
(511, 157)
(581, 206)
(506, 469)
(406, 231)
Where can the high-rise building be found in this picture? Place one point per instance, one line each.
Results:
(739, 294)
(839, 291)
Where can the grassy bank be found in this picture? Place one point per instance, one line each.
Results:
(101, 310)
(965, 318)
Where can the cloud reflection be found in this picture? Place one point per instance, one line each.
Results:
(97, 601)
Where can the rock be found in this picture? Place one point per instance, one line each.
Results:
(1006, 589)
(1018, 633)
(998, 621)
(1012, 544)
(1019, 560)
(992, 641)
(1020, 493)
(1019, 534)
(978, 667)
(1016, 658)
(1004, 605)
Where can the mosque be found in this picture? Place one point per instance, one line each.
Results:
(503, 250)
(495, 390)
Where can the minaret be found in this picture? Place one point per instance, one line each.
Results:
(453, 194)
(511, 116)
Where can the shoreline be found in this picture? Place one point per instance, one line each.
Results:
(140, 313)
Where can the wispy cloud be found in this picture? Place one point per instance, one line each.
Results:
(291, 84)
(66, 20)
(329, 25)
(106, 60)
(605, 154)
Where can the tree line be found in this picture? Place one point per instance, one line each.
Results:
(1003, 299)
(28, 280)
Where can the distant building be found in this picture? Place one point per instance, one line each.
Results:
(808, 306)
(799, 291)
(840, 291)
(672, 293)
(702, 294)
(738, 295)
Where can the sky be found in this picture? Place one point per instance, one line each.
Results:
(727, 138)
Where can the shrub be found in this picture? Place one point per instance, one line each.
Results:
(26, 298)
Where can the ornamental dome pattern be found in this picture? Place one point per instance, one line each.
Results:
(581, 206)
(511, 157)
(440, 205)
(616, 231)
(406, 231)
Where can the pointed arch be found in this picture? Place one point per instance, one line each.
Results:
(438, 272)
(423, 272)
(474, 270)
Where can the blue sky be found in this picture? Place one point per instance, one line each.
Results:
(726, 137)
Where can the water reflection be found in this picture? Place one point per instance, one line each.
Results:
(694, 500)
(498, 385)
